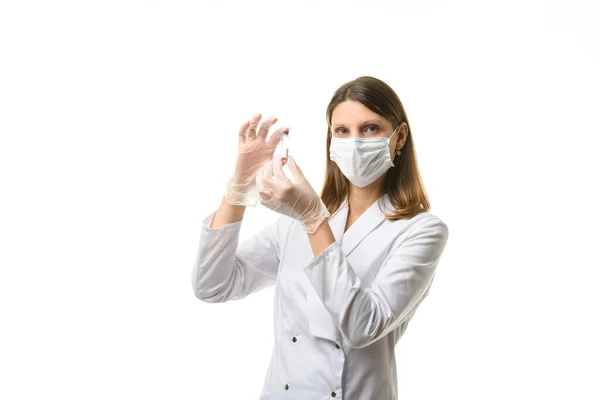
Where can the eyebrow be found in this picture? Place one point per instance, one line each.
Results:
(370, 121)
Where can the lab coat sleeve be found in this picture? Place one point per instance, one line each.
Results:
(363, 315)
(224, 270)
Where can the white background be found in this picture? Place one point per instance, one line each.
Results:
(118, 124)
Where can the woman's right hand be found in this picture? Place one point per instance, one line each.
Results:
(253, 148)
(253, 152)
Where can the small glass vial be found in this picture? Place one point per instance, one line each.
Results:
(285, 145)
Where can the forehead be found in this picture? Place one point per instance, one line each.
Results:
(352, 112)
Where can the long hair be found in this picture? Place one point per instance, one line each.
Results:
(402, 182)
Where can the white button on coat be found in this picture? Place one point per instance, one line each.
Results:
(360, 293)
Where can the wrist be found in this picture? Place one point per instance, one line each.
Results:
(240, 193)
(314, 227)
(316, 223)
(227, 214)
(321, 239)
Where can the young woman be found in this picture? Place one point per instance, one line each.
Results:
(350, 267)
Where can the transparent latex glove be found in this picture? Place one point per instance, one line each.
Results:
(253, 152)
(296, 199)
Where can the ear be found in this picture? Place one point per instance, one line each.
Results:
(402, 135)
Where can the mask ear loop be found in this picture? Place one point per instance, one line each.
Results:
(393, 133)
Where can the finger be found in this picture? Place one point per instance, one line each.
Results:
(295, 169)
(242, 132)
(265, 126)
(251, 131)
(277, 135)
(278, 170)
(267, 173)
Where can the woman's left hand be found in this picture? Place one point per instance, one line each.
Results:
(296, 199)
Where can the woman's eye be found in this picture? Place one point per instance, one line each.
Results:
(368, 128)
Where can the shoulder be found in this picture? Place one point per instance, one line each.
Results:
(430, 234)
(423, 223)
(424, 220)
(429, 221)
(425, 237)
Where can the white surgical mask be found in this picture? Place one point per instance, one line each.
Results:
(361, 160)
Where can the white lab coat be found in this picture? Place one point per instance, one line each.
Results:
(338, 316)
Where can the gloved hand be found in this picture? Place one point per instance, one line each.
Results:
(253, 152)
(295, 199)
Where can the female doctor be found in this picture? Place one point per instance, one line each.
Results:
(350, 266)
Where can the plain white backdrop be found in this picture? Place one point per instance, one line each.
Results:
(118, 124)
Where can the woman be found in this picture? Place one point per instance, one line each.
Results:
(345, 290)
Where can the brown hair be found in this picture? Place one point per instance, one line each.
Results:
(403, 182)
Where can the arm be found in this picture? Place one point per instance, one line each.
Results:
(223, 270)
(227, 214)
(364, 315)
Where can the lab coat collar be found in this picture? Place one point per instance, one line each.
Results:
(365, 224)
(321, 323)
(337, 222)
